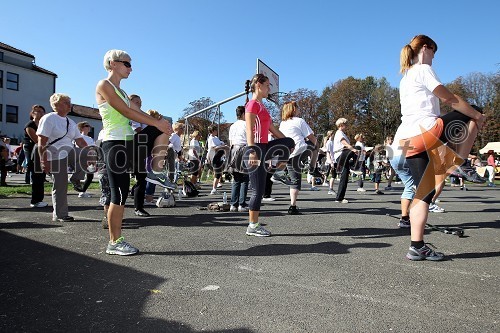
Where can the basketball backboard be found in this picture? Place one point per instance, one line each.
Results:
(274, 78)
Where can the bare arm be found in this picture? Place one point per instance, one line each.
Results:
(81, 142)
(105, 90)
(457, 103)
(42, 147)
(276, 132)
(348, 146)
(312, 138)
(31, 133)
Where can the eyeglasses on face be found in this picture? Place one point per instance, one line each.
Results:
(125, 63)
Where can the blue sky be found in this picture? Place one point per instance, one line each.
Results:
(188, 49)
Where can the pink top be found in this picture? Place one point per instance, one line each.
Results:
(491, 160)
(262, 121)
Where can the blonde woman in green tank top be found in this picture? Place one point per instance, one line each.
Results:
(116, 114)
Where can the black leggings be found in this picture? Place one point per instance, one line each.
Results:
(118, 157)
(265, 151)
(455, 127)
(143, 146)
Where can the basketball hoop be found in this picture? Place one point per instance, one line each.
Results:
(278, 98)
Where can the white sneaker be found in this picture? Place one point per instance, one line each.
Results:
(219, 185)
(40, 204)
(233, 208)
(314, 188)
(214, 191)
(361, 189)
(269, 199)
(325, 184)
(243, 209)
(435, 208)
(84, 195)
(149, 203)
(344, 201)
(332, 192)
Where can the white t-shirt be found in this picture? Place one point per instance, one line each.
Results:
(329, 148)
(419, 106)
(175, 142)
(53, 127)
(213, 141)
(194, 145)
(88, 139)
(338, 144)
(362, 153)
(297, 129)
(238, 133)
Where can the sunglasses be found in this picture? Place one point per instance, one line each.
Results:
(86, 125)
(125, 63)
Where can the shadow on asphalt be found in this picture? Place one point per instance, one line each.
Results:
(280, 250)
(47, 289)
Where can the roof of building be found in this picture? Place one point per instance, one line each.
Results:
(36, 68)
(13, 49)
(85, 111)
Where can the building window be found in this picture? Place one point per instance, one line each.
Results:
(11, 114)
(1, 112)
(1, 79)
(1, 56)
(12, 81)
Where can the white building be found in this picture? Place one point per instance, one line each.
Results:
(24, 84)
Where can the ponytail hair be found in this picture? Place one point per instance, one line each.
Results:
(250, 84)
(410, 51)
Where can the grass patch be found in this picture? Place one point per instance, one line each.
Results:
(25, 189)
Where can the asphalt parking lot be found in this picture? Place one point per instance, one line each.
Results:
(335, 268)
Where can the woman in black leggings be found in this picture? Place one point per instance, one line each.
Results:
(259, 149)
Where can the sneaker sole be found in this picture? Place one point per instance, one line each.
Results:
(160, 183)
(121, 253)
(420, 258)
(257, 235)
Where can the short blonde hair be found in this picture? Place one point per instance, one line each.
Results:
(153, 113)
(82, 124)
(289, 111)
(113, 55)
(340, 121)
(177, 126)
(358, 136)
(195, 134)
(55, 98)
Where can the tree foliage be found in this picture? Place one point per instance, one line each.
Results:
(201, 121)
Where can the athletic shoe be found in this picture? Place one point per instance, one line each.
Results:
(435, 208)
(121, 248)
(160, 179)
(325, 184)
(40, 204)
(63, 219)
(268, 199)
(258, 231)
(404, 223)
(283, 179)
(293, 210)
(104, 222)
(219, 185)
(315, 173)
(379, 191)
(141, 213)
(149, 203)
(463, 188)
(233, 208)
(243, 209)
(491, 185)
(388, 188)
(214, 191)
(84, 195)
(424, 253)
(332, 192)
(344, 201)
(360, 189)
(314, 188)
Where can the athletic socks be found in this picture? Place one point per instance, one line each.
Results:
(418, 245)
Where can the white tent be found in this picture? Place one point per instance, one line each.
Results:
(495, 146)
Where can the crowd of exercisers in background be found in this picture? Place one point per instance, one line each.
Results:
(143, 145)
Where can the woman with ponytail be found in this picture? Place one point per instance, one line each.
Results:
(423, 130)
(259, 149)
